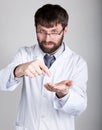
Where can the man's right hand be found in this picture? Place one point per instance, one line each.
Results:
(31, 69)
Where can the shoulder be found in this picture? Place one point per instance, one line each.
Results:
(74, 57)
(78, 59)
(26, 49)
(79, 64)
(25, 53)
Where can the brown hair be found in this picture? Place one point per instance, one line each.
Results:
(50, 15)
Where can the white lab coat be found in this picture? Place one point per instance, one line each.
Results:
(39, 108)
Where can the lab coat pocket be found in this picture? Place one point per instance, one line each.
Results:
(17, 127)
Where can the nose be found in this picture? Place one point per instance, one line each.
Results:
(47, 38)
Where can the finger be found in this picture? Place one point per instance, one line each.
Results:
(32, 71)
(58, 87)
(30, 74)
(69, 83)
(38, 70)
(45, 70)
(49, 87)
(52, 87)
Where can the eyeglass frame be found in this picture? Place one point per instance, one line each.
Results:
(44, 33)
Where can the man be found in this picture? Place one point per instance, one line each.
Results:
(53, 77)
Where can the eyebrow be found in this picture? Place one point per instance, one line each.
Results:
(53, 30)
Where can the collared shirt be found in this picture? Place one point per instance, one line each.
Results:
(39, 108)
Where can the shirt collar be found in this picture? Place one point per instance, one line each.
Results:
(60, 50)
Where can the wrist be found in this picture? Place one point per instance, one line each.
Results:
(18, 71)
(61, 94)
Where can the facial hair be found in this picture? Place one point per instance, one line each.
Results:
(55, 47)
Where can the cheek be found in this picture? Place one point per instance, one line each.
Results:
(39, 39)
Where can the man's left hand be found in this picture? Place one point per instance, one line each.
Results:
(61, 88)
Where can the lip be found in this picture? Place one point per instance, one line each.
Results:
(48, 44)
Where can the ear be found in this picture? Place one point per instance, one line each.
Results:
(66, 29)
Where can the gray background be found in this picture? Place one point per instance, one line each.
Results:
(84, 36)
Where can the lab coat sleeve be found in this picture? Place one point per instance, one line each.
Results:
(75, 102)
(7, 80)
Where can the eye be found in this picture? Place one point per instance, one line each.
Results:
(54, 31)
(42, 31)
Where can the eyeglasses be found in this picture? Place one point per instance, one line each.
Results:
(54, 34)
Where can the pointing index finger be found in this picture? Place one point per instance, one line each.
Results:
(45, 70)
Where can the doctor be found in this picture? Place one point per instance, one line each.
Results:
(53, 77)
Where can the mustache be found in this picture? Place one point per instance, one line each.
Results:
(50, 42)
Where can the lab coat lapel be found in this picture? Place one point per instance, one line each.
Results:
(59, 62)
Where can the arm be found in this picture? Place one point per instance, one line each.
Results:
(12, 75)
(8, 82)
(74, 99)
(31, 69)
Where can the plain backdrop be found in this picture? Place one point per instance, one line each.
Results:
(84, 37)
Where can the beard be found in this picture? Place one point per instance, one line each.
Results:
(50, 47)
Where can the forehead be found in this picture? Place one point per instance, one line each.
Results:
(58, 26)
